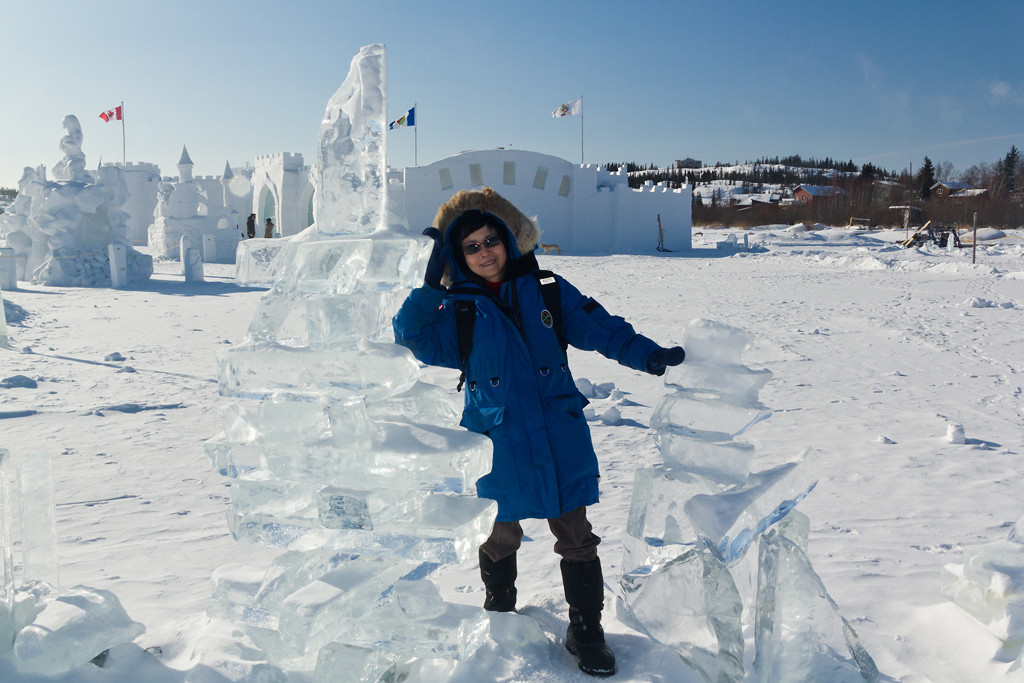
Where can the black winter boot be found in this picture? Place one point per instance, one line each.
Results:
(584, 591)
(500, 581)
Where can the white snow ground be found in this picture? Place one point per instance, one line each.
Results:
(866, 341)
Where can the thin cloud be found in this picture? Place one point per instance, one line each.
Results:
(945, 145)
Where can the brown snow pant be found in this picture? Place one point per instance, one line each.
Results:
(575, 539)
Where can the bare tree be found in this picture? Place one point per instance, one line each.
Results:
(945, 172)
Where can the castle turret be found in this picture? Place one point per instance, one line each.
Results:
(185, 166)
(225, 181)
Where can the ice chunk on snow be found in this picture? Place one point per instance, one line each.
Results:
(711, 343)
(703, 622)
(73, 629)
(799, 632)
(611, 417)
(989, 586)
(591, 390)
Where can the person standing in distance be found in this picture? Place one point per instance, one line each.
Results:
(268, 231)
(250, 226)
(521, 394)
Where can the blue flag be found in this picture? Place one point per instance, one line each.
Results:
(408, 119)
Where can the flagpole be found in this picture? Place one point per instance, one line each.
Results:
(416, 137)
(124, 156)
(581, 130)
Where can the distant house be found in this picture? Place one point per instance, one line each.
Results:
(946, 189)
(1017, 194)
(967, 193)
(688, 163)
(885, 191)
(807, 194)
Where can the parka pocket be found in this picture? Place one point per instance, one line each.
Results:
(482, 419)
(572, 403)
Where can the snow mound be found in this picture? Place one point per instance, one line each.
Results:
(976, 302)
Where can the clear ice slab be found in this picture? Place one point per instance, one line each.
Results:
(726, 463)
(729, 522)
(257, 263)
(737, 383)
(710, 343)
(407, 456)
(692, 606)
(694, 414)
(374, 371)
(799, 633)
(321, 611)
(38, 519)
(418, 623)
(442, 530)
(344, 663)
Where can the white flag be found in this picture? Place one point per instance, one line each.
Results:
(569, 109)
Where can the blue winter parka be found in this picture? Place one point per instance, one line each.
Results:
(518, 387)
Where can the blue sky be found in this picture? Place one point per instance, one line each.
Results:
(718, 81)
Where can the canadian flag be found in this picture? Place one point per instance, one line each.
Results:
(114, 113)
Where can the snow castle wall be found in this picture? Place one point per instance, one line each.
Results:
(584, 209)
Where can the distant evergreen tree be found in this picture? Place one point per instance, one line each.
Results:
(1007, 172)
(926, 178)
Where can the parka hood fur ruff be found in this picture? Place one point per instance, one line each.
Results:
(523, 227)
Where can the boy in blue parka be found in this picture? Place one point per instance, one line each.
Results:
(521, 394)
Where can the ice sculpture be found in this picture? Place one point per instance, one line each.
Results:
(989, 586)
(685, 583)
(7, 625)
(349, 462)
(60, 230)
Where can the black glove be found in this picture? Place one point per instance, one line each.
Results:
(661, 358)
(438, 259)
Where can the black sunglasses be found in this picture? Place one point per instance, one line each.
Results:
(474, 247)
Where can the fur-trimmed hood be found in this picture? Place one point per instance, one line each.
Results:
(519, 226)
(522, 227)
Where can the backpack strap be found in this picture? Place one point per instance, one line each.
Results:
(548, 283)
(465, 319)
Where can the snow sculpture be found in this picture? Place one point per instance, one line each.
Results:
(60, 230)
(349, 462)
(693, 518)
(989, 586)
(183, 210)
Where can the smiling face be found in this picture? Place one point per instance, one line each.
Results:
(489, 262)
